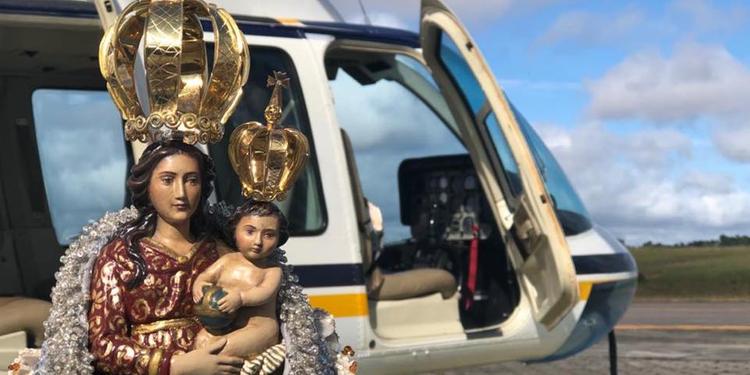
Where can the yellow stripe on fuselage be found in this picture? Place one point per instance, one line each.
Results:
(355, 304)
(341, 305)
(289, 21)
(584, 290)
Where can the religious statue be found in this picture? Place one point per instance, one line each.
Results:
(123, 302)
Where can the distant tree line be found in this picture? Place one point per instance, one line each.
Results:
(724, 240)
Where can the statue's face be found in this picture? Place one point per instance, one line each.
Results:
(257, 236)
(175, 188)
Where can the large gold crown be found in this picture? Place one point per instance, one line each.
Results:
(268, 158)
(182, 98)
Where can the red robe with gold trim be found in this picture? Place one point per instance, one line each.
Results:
(164, 294)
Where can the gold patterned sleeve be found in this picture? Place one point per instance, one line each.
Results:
(115, 352)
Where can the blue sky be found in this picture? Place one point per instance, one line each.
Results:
(645, 104)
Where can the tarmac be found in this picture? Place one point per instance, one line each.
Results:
(657, 338)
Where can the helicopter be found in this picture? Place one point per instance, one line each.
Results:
(431, 221)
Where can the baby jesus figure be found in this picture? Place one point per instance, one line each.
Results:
(251, 278)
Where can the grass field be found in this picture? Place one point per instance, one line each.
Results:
(693, 273)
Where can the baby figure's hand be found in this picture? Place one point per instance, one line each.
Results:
(198, 291)
(231, 302)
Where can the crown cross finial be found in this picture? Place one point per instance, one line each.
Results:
(278, 78)
(278, 81)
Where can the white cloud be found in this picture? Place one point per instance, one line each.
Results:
(656, 148)
(704, 16)
(630, 185)
(707, 182)
(733, 139)
(649, 149)
(588, 28)
(697, 82)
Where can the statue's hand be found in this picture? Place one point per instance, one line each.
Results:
(206, 361)
(231, 302)
(198, 291)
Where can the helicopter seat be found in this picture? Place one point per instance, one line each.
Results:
(24, 314)
(416, 303)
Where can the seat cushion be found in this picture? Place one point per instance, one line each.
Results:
(24, 314)
(411, 284)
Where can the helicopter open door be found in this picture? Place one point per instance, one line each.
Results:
(521, 204)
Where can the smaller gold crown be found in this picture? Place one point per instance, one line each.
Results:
(268, 158)
(182, 97)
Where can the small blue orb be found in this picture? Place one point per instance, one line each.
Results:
(207, 311)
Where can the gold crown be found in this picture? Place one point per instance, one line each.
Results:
(268, 158)
(182, 97)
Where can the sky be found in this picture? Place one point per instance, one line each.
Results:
(645, 104)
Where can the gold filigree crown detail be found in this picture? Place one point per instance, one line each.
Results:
(182, 98)
(268, 158)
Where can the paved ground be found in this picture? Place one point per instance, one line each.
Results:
(711, 338)
(710, 314)
(646, 353)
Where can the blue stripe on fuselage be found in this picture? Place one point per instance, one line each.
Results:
(351, 274)
(604, 263)
(52, 8)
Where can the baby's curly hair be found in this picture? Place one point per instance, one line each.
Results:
(262, 209)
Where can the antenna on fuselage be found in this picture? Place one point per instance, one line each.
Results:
(364, 12)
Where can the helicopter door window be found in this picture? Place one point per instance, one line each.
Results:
(460, 72)
(387, 124)
(510, 168)
(81, 149)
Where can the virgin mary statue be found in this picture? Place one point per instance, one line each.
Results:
(122, 303)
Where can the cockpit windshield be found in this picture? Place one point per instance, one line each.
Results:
(569, 208)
